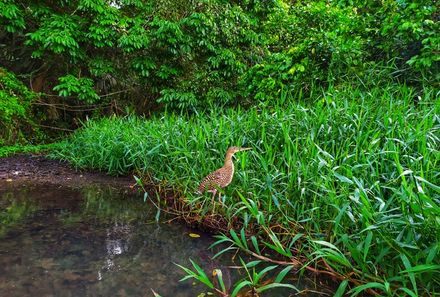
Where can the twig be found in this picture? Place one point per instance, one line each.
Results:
(55, 128)
(61, 107)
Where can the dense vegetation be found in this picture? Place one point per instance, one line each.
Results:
(339, 100)
(353, 184)
(16, 121)
(188, 55)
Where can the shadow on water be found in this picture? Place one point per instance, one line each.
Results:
(93, 241)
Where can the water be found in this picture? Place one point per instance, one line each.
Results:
(93, 241)
(98, 241)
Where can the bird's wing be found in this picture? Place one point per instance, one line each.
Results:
(215, 175)
(210, 180)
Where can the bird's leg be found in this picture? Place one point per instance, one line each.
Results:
(220, 197)
(214, 192)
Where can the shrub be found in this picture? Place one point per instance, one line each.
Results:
(16, 123)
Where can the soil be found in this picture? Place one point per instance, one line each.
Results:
(37, 168)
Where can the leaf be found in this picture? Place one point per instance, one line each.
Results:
(367, 244)
(138, 180)
(408, 267)
(239, 286)
(276, 285)
(202, 275)
(224, 251)
(157, 217)
(220, 239)
(282, 274)
(409, 292)
(264, 271)
(406, 172)
(367, 286)
(243, 238)
(237, 240)
(327, 244)
(341, 289)
(422, 268)
(219, 274)
(294, 239)
(255, 244)
(432, 253)
(253, 263)
(343, 179)
(435, 187)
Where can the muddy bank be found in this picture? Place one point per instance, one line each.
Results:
(41, 169)
(37, 169)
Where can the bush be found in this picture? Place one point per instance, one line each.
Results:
(330, 43)
(311, 44)
(139, 51)
(410, 33)
(197, 54)
(16, 122)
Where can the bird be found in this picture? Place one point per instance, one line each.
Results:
(222, 177)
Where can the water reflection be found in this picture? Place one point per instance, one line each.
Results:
(117, 241)
(90, 242)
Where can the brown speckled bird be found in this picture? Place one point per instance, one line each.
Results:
(221, 177)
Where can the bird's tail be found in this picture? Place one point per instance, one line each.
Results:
(201, 188)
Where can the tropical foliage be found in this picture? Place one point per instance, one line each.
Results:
(188, 55)
(339, 100)
(16, 120)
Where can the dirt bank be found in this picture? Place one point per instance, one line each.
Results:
(41, 169)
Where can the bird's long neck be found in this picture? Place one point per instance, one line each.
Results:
(228, 160)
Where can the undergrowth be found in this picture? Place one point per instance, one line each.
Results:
(348, 185)
(6, 151)
(17, 124)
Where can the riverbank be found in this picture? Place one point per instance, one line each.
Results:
(56, 184)
(74, 233)
(39, 168)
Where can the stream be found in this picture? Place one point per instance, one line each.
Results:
(96, 240)
(91, 241)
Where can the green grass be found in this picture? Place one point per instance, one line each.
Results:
(33, 149)
(351, 181)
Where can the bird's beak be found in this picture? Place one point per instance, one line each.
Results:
(245, 149)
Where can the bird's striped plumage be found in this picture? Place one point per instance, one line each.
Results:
(217, 179)
(222, 177)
